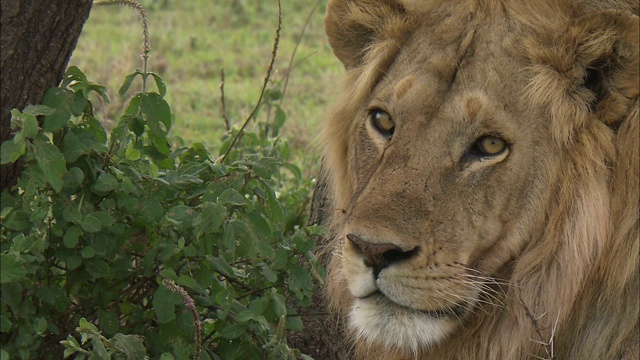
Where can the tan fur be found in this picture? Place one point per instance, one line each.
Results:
(539, 244)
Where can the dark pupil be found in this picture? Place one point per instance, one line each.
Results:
(383, 122)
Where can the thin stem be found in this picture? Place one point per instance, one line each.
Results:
(224, 106)
(274, 52)
(191, 306)
(295, 49)
(146, 43)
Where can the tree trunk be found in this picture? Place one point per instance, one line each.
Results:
(37, 38)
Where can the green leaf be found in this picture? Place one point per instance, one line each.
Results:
(132, 154)
(17, 220)
(300, 279)
(275, 95)
(72, 74)
(245, 316)
(210, 219)
(51, 162)
(109, 321)
(91, 224)
(87, 252)
(131, 345)
(162, 88)
(60, 100)
(261, 232)
(106, 220)
(72, 215)
(5, 324)
(85, 325)
(164, 303)
(71, 237)
(38, 110)
(221, 266)
(280, 117)
(232, 197)
(30, 126)
(151, 209)
(96, 267)
(40, 325)
(257, 306)
(73, 148)
(181, 213)
(188, 281)
(13, 268)
(279, 304)
(11, 293)
(274, 210)
(95, 127)
(294, 323)
(157, 114)
(105, 183)
(232, 331)
(72, 180)
(10, 151)
(99, 351)
(169, 274)
(73, 262)
(100, 90)
(264, 167)
(269, 274)
(303, 244)
(79, 103)
(126, 84)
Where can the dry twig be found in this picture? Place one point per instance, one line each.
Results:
(274, 52)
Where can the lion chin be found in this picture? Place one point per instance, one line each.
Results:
(374, 319)
(481, 170)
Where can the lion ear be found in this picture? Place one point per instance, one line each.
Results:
(607, 48)
(354, 26)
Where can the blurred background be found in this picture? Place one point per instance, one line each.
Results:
(192, 42)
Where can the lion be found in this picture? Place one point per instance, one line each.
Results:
(481, 165)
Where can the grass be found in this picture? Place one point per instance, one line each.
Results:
(192, 42)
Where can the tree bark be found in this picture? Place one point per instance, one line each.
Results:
(37, 38)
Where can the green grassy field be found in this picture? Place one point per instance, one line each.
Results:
(192, 42)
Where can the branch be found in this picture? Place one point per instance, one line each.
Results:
(224, 107)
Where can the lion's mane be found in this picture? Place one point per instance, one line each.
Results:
(573, 290)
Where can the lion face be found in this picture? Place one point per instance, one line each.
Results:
(444, 172)
(445, 168)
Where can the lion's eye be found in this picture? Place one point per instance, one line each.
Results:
(382, 122)
(490, 146)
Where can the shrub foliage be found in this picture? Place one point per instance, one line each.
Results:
(117, 245)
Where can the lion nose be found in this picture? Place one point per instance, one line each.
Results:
(379, 256)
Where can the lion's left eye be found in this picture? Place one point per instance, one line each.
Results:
(490, 146)
(383, 122)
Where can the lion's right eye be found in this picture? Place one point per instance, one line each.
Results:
(490, 146)
(383, 122)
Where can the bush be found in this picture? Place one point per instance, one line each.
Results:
(132, 244)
